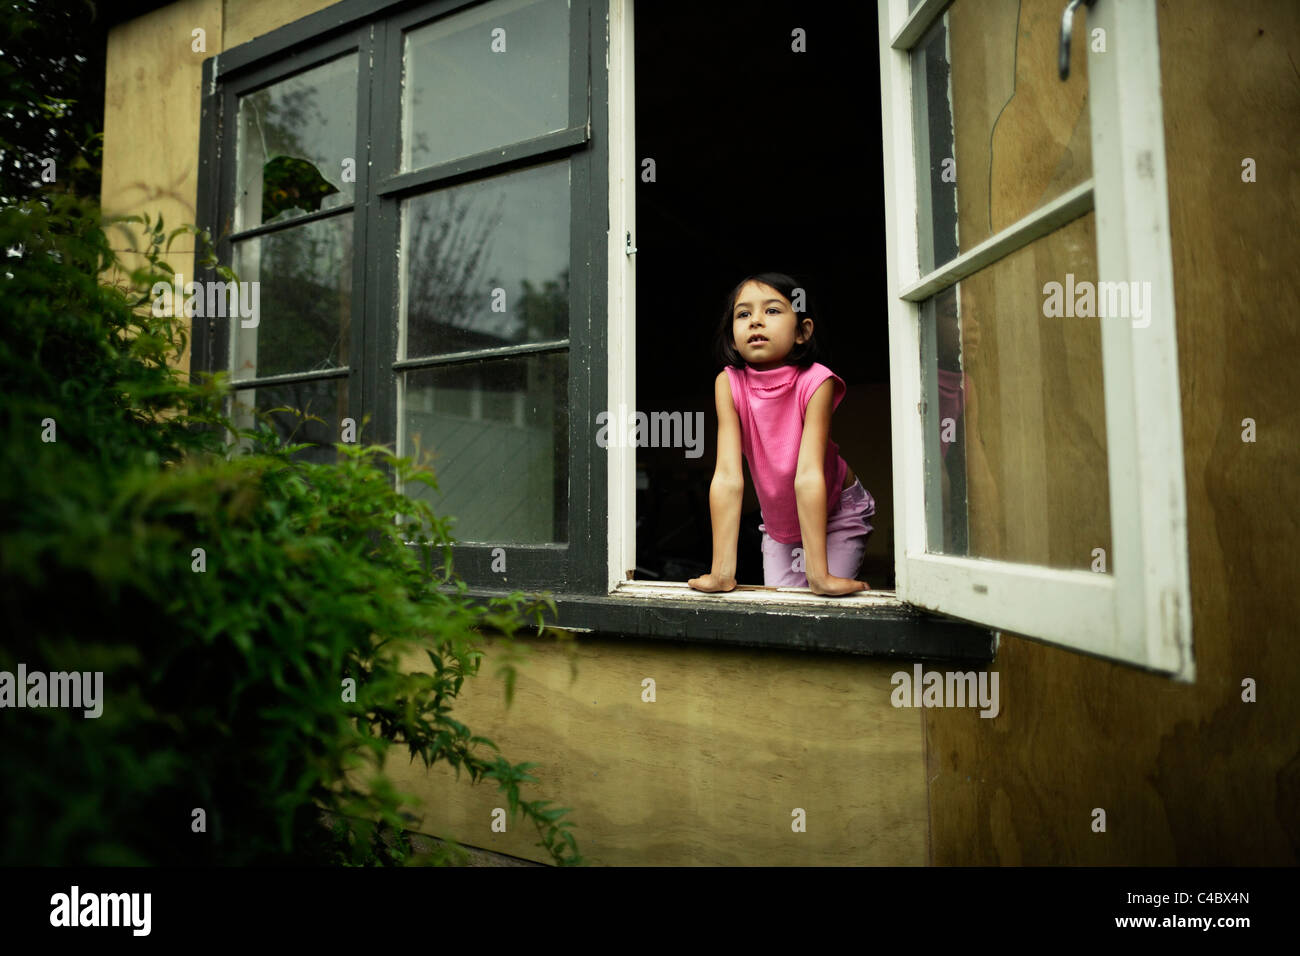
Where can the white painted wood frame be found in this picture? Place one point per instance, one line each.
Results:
(1141, 612)
(621, 461)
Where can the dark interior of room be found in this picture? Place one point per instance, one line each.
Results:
(765, 159)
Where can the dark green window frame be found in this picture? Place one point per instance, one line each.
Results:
(374, 34)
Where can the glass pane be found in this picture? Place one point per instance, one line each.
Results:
(497, 436)
(993, 119)
(1015, 425)
(486, 264)
(303, 283)
(296, 141)
(490, 76)
(324, 399)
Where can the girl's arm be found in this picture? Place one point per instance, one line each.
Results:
(810, 495)
(725, 494)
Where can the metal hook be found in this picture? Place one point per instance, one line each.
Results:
(1067, 21)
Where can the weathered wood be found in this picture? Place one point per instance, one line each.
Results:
(710, 772)
(1187, 774)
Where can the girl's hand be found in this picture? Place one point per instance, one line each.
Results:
(833, 586)
(712, 583)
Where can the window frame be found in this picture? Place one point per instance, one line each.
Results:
(1140, 613)
(581, 576)
(876, 623)
(528, 565)
(214, 344)
(375, 33)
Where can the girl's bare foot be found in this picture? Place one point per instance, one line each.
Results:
(833, 586)
(712, 583)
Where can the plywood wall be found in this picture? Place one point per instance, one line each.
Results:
(1187, 774)
(709, 773)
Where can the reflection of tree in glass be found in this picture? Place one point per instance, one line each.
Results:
(288, 115)
(449, 301)
(306, 298)
(446, 256)
(546, 310)
(420, 145)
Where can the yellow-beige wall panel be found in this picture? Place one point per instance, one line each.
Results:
(152, 87)
(248, 19)
(709, 773)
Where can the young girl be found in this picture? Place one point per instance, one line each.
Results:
(774, 404)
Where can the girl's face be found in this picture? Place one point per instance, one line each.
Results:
(764, 326)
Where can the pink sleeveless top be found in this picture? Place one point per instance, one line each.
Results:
(771, 407)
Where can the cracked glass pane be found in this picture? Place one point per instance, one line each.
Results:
(297, 143)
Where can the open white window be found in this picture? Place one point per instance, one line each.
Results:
(1038, 462)
(1036, 428)
(679, 238)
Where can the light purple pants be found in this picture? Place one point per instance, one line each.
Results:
(847, 530)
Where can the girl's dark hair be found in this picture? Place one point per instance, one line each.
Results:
(805, 353)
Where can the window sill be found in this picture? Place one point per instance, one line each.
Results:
(870, 624)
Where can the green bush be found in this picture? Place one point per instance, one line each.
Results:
(224, 688)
